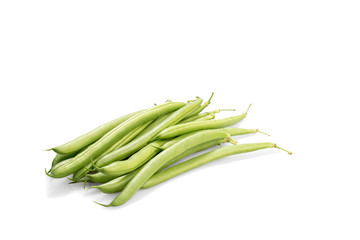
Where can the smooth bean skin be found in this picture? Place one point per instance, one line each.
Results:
(61, 157)
(112, 137)
(138, 143)
(119, 183)
(196, 117)
(195, 162)
(162, 158)
(184, 128)
(240, 131)
(204, 115)
(99, 177)
(139, 156)
(211, 116)
(126, 139)
(88, 138)
(153, 125)
(119, 168)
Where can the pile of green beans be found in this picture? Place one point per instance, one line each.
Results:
(142, 149)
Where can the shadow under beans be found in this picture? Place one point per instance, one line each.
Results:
(139, 195)
(57, 187)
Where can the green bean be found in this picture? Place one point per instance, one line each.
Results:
(126, 139)
(138, 157)
(119, 183)
(202, 115)
(180, 129)
(153, 125)
(88, 138)
(112, 137)
(61, 157)
(135, 145)
(119, 168)
(199, 109)
(208, 116)
(112, 185)
(205, 158)
(242, 131)
(164, 157)
(135, 161)
(100, 177)
(142, 156)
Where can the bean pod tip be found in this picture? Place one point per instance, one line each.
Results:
(276, 146)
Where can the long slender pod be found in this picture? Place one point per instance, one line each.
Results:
(88, 138)
(140, 157)
(195, 162)
(180, 129)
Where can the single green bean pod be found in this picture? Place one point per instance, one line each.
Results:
(88, 138)
(184, 128)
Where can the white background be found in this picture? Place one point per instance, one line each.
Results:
(69, 66)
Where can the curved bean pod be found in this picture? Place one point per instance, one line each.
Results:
(205, 158)
(135, 145)
(162, 158)
(119, 168)
(88, 138)
(110, 138)
(117, 184)
(180, 129)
